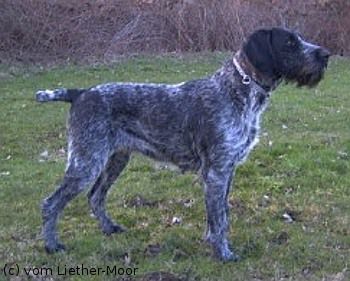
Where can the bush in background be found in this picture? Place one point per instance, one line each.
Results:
(40, 31)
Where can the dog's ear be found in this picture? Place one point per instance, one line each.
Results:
(258, 49)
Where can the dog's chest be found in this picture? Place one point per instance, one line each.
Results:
(246, 135)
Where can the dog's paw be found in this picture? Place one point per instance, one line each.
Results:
(114, 228)
(229, 256)
(223, 253)
(54, 248)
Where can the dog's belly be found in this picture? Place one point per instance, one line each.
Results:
(177, 149)
(184, 158)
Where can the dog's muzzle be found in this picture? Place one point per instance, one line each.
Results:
(319, 54)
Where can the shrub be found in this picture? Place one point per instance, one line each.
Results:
(36, 31)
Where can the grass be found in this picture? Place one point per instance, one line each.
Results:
(301, 167)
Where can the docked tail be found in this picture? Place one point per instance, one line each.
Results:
(62, 94)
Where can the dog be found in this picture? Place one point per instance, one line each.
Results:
(207, 126)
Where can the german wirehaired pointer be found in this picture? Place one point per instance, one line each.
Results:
(207, 126)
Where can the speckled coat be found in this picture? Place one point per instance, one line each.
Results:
(207, 125)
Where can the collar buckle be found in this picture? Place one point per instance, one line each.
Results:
(246, 79)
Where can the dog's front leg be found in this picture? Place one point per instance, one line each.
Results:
(216, 187)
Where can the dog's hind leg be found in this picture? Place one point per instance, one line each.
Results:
(84, 166)
(97, 194)
(53, 206)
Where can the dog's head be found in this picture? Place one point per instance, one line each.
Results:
(280, 53)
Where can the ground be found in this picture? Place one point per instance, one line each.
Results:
(290, 201)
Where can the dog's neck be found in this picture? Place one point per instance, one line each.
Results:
(249, 72)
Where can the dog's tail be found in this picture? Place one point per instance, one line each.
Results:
(61, 94)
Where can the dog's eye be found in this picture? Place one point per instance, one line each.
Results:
(290, 43)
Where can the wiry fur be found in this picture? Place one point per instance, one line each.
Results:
(207, 126)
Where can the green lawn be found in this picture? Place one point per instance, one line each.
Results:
(300, 167)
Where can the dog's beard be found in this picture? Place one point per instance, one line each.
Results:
(310, 79)
(308, 76)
